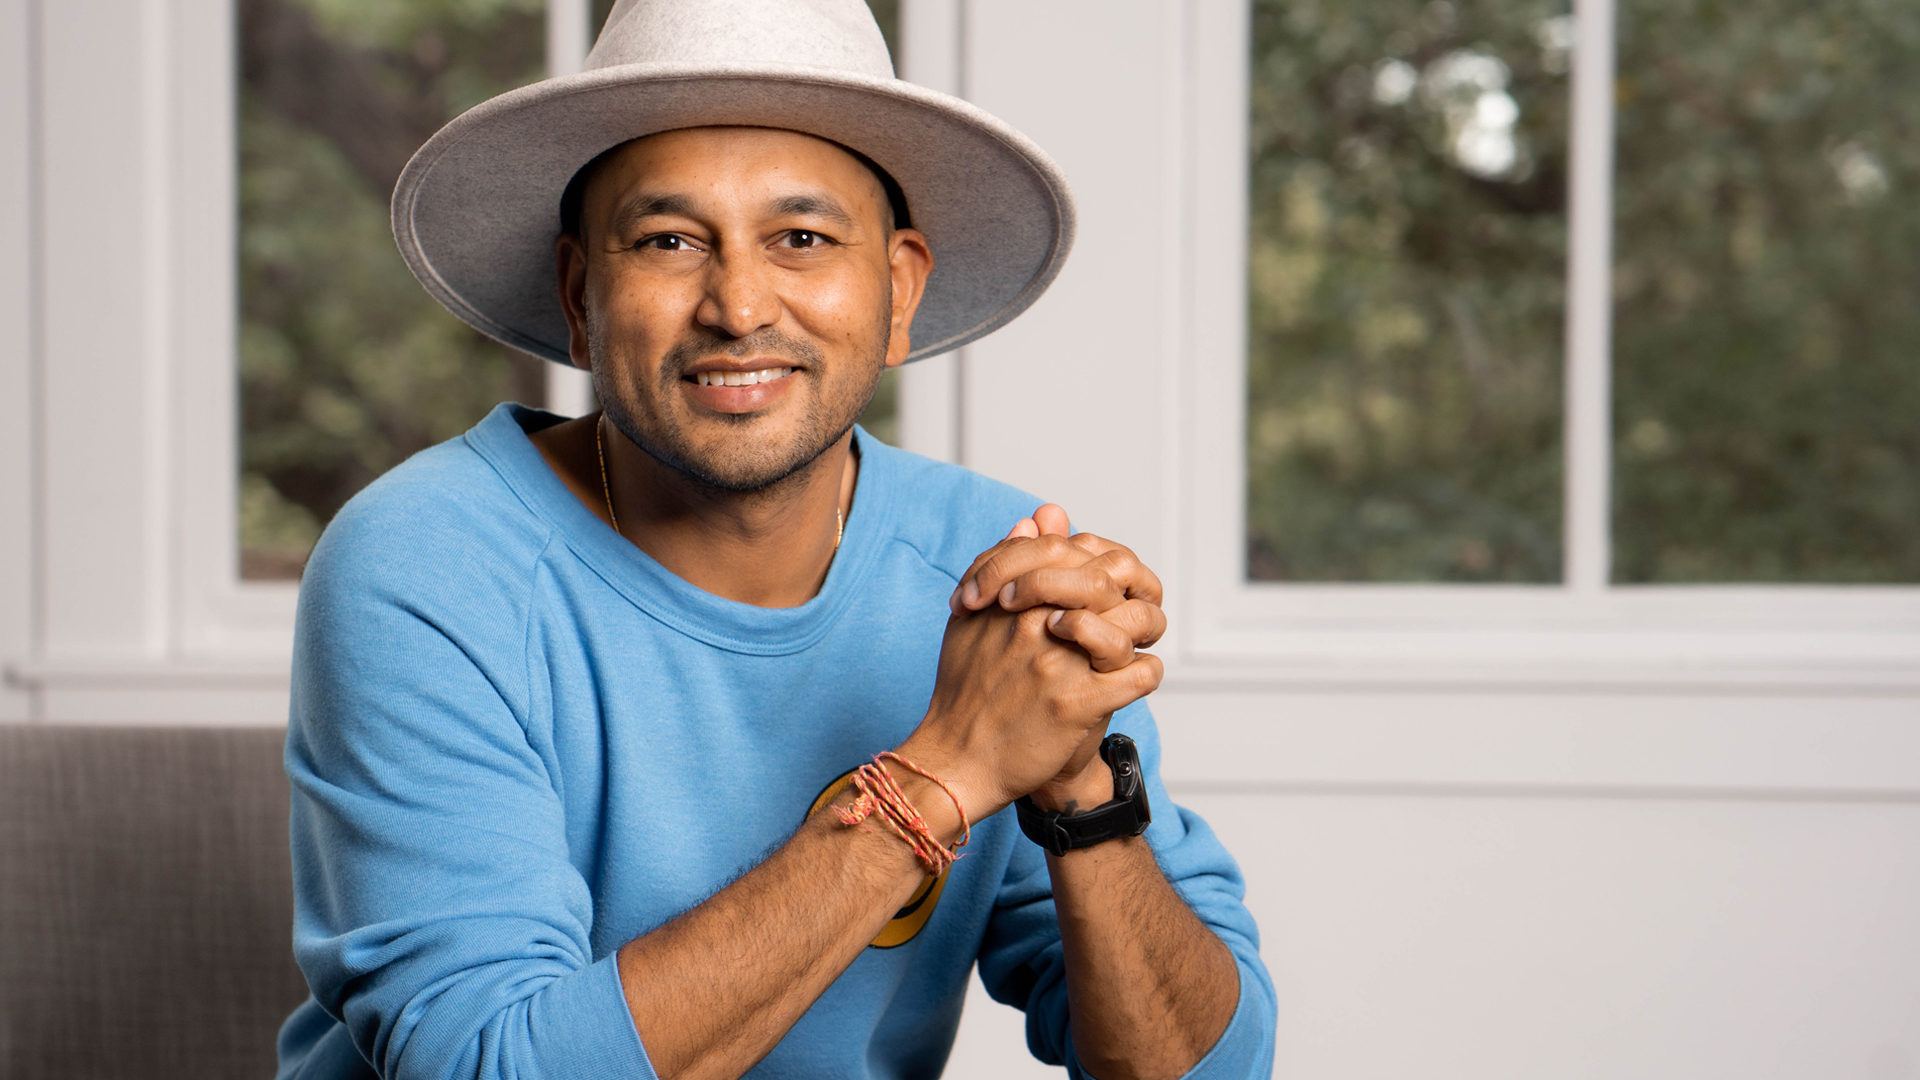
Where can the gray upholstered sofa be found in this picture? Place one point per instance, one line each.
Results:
(145, 902)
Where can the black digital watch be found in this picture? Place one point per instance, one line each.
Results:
(1127, 814)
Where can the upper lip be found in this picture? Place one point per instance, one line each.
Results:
(758, 363)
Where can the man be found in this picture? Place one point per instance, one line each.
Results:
(580, 708)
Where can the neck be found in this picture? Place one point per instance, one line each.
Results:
(769, 548)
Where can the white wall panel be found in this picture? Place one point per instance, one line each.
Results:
(221, 704)
(16, 349)
(1712, 742)
(1065, 402)
(1482, 939)
(104, 386)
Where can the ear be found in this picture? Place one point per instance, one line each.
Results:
(570, 264)
(909, 262)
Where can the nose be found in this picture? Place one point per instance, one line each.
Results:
(739, 299)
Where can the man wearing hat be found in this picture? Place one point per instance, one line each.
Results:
(706, 736)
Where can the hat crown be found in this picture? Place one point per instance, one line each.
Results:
(839, 34)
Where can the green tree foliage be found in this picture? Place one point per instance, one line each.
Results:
(346, 366)
(1767, 292)
(1406, 287)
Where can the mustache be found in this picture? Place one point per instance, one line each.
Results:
(766, 340)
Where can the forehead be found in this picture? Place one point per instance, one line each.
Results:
(729, 164)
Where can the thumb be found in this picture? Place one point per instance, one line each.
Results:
(1052, 520)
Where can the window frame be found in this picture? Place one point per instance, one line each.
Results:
(221, 612)
(1583, 629)
(1229, 631)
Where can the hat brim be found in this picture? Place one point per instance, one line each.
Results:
(477, 209)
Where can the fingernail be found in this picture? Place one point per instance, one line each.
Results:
(970, 593)
(1006, 594)
(1054, 619)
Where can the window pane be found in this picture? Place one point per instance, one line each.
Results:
(346, 365)
(1406, 278)
(1767, 292)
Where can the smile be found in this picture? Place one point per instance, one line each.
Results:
(741, 378)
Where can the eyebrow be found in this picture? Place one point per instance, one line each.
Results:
(644, 205)
(814, 205)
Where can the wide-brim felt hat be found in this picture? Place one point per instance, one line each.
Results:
(477, 210)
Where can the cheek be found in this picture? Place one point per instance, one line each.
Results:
(640, 304)
(840, 308)
(635, 319)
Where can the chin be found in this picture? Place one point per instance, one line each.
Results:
(741, 463)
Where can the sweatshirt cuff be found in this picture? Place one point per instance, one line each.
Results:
(584, 1016)
(1243, 1052)
(1245, 1049)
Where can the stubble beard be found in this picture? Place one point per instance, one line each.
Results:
(742, 465)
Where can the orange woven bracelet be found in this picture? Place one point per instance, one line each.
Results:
(880, 795)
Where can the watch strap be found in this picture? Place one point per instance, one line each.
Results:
(1126, 814)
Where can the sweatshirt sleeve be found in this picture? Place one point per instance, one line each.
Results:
(1022, 961)
(437, 915)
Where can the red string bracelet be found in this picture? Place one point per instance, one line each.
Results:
(880, 795)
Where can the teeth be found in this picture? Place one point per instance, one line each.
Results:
(741, 378)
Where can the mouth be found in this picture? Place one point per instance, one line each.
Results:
(740, 390)
(756, 377)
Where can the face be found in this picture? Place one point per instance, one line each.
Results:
(737, 293)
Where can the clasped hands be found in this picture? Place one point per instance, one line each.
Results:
(1041, 649)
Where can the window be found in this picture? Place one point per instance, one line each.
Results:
(1407, 207)
(1766, 323)
(346, 366)
(1408, 296)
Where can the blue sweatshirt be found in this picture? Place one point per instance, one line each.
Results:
(507, 725)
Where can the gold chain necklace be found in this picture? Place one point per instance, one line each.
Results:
(606, 487)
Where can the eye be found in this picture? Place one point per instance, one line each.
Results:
(664, 242)
(806, 238)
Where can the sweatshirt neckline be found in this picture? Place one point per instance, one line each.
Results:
(501, 439)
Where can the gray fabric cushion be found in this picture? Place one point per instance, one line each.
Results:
(145, 902)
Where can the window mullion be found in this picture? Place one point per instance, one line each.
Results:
(1588, 429)
(569, 36)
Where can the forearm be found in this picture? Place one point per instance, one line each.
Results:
(1149, 987)
(712, 991)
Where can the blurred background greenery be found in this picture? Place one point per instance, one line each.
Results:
(1406, 312)
(1406, 281)
(1767, 292)
(346, 366)
(1407, 284)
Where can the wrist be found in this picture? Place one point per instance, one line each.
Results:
(939, 809)
(1089, 788)
(975, 795)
